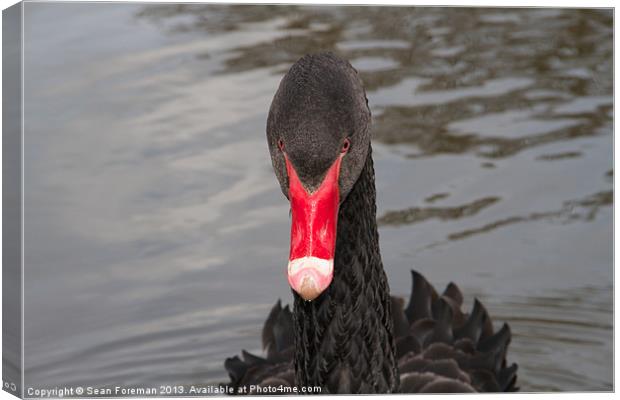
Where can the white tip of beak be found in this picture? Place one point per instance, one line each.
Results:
(310, 276)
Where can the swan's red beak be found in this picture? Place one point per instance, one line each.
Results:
(313, 232)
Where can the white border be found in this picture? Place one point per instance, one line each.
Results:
(471, 3)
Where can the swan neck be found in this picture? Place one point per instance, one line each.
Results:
(344, 340)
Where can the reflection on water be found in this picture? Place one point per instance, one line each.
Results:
(585, 209)
(554, 334)
(157, 236)
(416, 214)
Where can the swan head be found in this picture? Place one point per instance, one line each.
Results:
(318, 132)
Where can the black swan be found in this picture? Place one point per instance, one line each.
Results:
(346, 334)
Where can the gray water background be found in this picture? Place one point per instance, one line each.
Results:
(156, 235)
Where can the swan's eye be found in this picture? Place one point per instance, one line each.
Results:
(281, 144)
(346, 145)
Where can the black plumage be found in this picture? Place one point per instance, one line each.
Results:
(346, 335)
(462, 363)
(354, 337)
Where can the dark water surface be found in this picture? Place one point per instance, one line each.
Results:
(156, 236)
